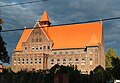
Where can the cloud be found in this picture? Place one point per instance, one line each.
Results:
(62, 11)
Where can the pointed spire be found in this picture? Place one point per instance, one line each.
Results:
(93, 40)
(45, 17)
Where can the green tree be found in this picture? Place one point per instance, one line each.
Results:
(3, 53)
(116, 68)
(109, 54)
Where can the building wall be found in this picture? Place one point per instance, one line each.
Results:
(85, 61)
(38, 54)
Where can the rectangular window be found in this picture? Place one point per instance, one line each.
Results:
(40, 48)
(14, 59)
(91, 52)
(26, 61)
(40, 61)
(55, 53)
(48, 47)
(32, 40)
(32, 48)
(64, 61)
(44, 47)
(66, 52)
(36, 39)
(91, 60)
(72, 52)
(36, 48)
(60, 53)
(40, 39)
(25, 48)
(35, 60)
(35, 33)
(22, 61)
(58, 61)
(52, 61)
(76, 60)
(18, 61)
(83, 59)
(31, 61)
(70, 61)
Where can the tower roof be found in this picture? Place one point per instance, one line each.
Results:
(44, 17)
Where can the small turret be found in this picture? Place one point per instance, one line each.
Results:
(44, 21)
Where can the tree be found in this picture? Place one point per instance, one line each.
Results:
(3, 53)
(109, 54)
(116, 68)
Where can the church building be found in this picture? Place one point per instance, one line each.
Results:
(43, 46)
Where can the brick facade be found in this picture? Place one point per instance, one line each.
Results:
(38, 53)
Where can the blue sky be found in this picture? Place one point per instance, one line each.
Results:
(61, 11)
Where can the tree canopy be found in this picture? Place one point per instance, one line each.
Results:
(3, 53)
(109, 54)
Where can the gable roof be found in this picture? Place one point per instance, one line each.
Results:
(23, 38)
(70, 36)
(76, 35)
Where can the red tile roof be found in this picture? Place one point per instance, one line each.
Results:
(23, 38)
(44, 17)
(68, 36)
(76, 35)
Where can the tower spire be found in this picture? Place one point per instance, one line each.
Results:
(45, 21)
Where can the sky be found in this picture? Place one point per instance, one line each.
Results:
(60, 12)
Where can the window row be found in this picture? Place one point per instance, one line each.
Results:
(72, 52)
(27, 61)
(38, 48)
(64, 61)
(36, 40)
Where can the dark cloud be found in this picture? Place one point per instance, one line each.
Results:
(62, 11)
